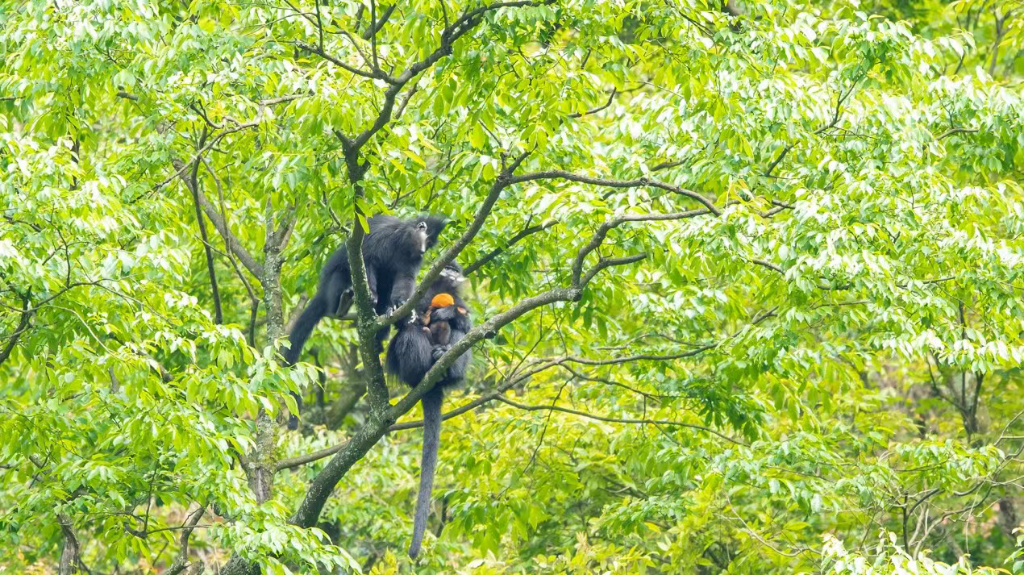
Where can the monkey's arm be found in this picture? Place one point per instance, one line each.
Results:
(371, 281)
(457, 372)
(409, 354)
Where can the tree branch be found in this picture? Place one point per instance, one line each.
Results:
(181, 560)
(376, 26)
(235, 246)
(528, 231)
(501, 182)
(199, 154)
(69, 559)
(509, 383)
(602, 232)
(26, 316)
(664, 422)
(373, 75)
(952, 131)
(611, 98)
(192, 183)
(611, 183)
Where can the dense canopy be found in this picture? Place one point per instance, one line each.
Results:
(747, 278)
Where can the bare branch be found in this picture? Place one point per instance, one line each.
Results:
(235, 246)
(528, 231)
(23, 323)
(611, 98)
(373, 37)
(199, 154)
(664, 422)
(68, 287)
(181, 560)
(375, 26)
(192, 183)
(374, 75)
(602, 232)
(607, 263)
(610, 183)
(468, 21)
(769, 265)
(952, 131)
(281, 99)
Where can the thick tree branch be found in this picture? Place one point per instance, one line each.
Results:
(375, 26)
(181, 560)
(69, 554)
(503, 181)
(509, 383)
(235, 246)
(192, 183)
(23, 323)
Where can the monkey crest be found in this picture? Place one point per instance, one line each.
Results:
(442, 300)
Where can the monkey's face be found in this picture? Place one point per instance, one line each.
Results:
(435, 226)
(421, 236)
(453, 275)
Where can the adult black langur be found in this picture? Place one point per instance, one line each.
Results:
(392, 254)
(442, 319)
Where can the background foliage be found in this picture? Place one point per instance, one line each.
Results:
(752, 270)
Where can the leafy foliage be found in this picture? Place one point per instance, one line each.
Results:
(748, 277)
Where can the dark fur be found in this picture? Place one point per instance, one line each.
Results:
(392, 255)
(410, 355)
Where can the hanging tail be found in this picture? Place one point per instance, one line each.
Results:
(428, 464)
(314, 312)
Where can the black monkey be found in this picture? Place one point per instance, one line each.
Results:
(392, 254)
(442, 319)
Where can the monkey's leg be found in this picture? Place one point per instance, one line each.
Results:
(404, 285)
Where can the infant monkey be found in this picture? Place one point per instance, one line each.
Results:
(437, 320)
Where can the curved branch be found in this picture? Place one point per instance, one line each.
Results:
(529, 231)
(612, 183)
(665, 422)
(26, 316)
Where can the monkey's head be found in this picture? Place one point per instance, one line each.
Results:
(427, 229)
(433, 226)
(452, 276)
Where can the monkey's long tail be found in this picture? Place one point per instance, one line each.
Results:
(314, 312)
(431, 441)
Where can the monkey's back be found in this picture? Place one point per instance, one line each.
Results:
(391, 244)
